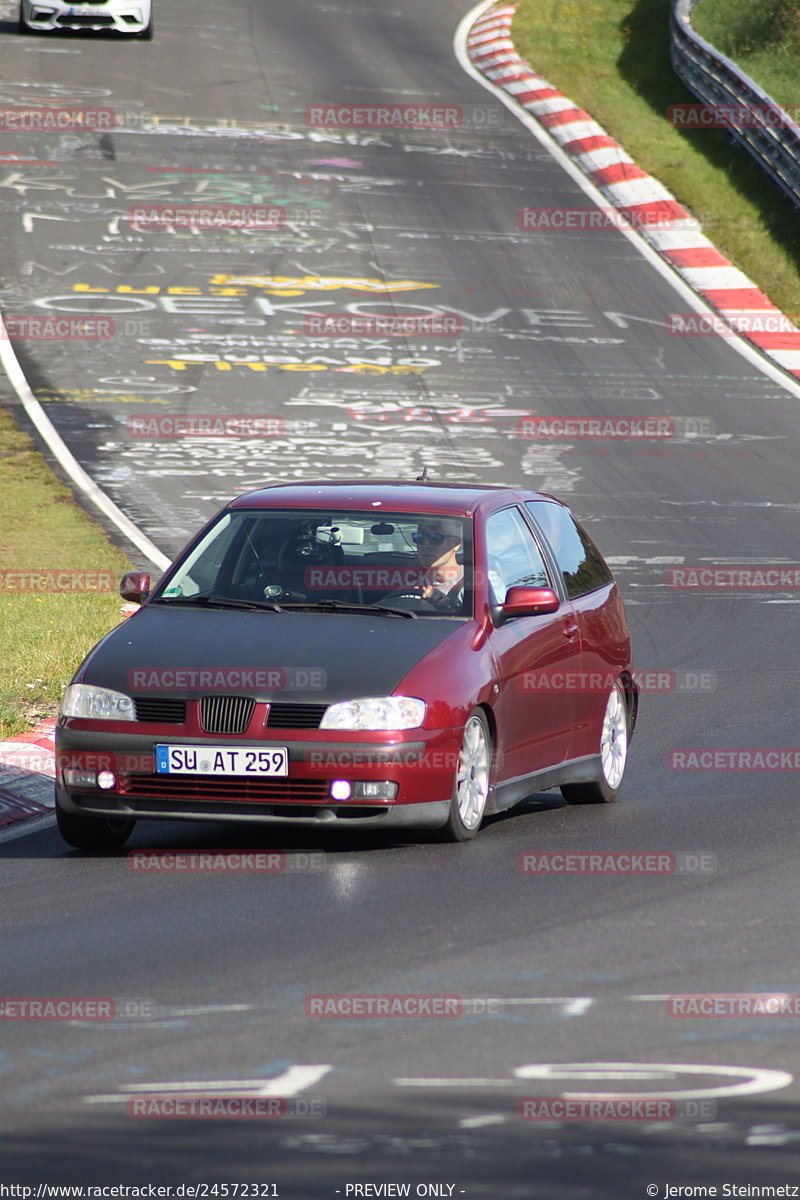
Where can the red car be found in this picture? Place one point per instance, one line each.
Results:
(385, 654)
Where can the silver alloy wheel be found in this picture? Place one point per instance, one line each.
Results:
(614, 739)
(472, 774)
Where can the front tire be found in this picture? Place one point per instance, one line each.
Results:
(614, 737)
(93, 833)
(472, 780)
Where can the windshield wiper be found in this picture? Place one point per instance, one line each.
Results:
(221, 601)
(346, 606)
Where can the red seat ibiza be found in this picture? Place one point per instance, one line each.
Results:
(387, 654)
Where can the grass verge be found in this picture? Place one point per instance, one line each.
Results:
(612, 58)
(763, 40)
(43, 637)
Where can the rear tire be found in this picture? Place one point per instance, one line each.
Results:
(613, 755)
(472, 780)
(93, 833)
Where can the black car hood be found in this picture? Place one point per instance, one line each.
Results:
(354, 655)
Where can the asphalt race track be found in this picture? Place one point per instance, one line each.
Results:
(564, 978)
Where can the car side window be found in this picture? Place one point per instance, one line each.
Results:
(581, 563)
(513, 556)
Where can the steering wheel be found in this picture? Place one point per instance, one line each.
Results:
(395, 599)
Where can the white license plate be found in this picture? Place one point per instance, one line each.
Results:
(222, 760)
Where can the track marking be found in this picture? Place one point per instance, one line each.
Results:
(754, 1080)
(481, 1122)
(293, 1081)
(761, 1079)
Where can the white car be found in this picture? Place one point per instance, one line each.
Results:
(119, 16)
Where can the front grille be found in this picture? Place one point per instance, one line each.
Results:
(226, 714)
(160, 710)
(150, 806)
(210, 788)
(295, 716)
(85, 19)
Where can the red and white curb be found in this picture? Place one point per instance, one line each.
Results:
(652, 210)
(27, 771)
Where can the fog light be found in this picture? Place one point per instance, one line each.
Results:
(341, 789)
(106, 780)
(75, 778)
(374, 789)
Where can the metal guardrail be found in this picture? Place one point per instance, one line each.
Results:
(759, 124)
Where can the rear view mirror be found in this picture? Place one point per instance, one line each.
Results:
(135, 586)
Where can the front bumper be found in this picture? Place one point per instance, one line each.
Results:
(420, 764)
(429, 815)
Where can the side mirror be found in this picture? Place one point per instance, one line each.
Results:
(529, 602)
(135, 586)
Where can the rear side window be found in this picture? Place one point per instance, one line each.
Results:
(580, 561)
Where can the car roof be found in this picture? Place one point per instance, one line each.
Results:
(452, 499)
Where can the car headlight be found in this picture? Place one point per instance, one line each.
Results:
(385, 712)
(96, 703)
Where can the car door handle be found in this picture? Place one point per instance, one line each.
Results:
(570, 630)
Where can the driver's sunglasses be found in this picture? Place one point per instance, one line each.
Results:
(435, 539)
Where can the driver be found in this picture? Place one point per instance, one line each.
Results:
(438, 542)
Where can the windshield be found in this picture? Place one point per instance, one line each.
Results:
(410, 561)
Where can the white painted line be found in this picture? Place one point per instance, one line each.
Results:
(666, 996)
(480, 1122)
(66, 458)
(549, 142)
(630, 1072)
(576, 1008)
(623, 560)
(771, 1135)
(465, 1083)
(571, 1003)
(757, 1079)
(293, 1080)
(203, 1009)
